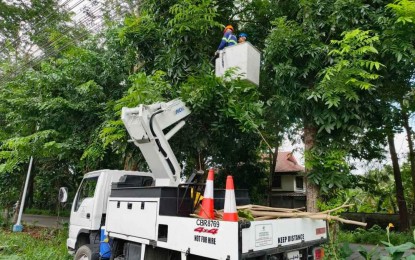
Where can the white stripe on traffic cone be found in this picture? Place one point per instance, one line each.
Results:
(229, 212)
(207, 206)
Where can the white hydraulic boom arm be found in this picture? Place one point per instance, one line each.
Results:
(145, 125)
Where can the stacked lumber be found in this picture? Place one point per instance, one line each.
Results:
(258, 212)
(262, 213)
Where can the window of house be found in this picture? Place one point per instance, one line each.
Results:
(276, 181)
(299, 182)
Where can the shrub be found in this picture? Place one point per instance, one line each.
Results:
(373, 236)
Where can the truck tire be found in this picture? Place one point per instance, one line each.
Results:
(87, 252)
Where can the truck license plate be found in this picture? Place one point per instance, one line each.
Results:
(294, 255)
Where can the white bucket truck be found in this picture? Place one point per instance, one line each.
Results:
(146, 215)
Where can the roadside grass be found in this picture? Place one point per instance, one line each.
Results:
(374, 236)
(34, 243)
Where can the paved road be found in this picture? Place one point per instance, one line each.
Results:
(44, 221)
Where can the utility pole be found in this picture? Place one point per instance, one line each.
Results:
(18, 227)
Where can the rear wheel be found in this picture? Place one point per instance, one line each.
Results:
(87, 252)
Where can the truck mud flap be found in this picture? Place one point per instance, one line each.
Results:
(132, 251)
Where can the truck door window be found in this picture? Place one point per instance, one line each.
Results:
(87, 190)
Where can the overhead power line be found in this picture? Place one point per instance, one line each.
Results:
(90, 17)
(44, 21)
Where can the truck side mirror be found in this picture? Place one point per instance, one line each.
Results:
(63, 194)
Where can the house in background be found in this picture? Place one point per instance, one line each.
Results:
(288, 185)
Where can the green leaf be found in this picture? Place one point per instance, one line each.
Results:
(401, 248)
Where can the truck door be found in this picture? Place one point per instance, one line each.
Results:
(81, 215)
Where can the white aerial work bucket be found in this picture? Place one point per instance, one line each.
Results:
(245, 57)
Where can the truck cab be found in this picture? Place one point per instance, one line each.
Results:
(89, 209)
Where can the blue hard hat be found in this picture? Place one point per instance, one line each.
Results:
(243, 35)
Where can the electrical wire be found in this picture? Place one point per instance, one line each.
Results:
(44, 21)
(50, 46)
(35, 62)
(40, 48)
(90, 15)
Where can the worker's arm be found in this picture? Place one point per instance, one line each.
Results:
(224, 41)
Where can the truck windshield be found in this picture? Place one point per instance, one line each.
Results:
(87, 190)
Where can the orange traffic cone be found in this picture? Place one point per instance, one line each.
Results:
(206, 210)
(229, 212)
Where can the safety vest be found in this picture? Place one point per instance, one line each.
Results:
(231, 40)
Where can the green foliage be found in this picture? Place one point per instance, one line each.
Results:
(395, 252)
(336, 250)
(323, 69)
(374, 236)
(338, 247)
(193, 16)
(337, 67)
(37, 244)
(405, 11)
(373, 192)
(48, 212)
(368, 254)
(332, 202)
(52, 113)
(173, 43)
(246, 214)
(330, 169)
(144, 90)
(235, 99)
(379, 192)
(351, 70)
(167, 38)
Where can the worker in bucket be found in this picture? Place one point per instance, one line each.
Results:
(242, 37)
(228, 39)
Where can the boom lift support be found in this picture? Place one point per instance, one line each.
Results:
(145, 124)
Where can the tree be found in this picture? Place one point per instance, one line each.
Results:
(398, 52)
(293, 56)
(226, 115)
(54, 113)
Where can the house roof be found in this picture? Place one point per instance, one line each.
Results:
(286, 162)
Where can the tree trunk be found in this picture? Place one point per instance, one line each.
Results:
(400, 198)
(273, 164)
(130, 163)
(16, 211)
(312, 191)
(411, 152)
(200, 161)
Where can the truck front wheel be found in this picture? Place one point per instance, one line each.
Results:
(87, 252)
